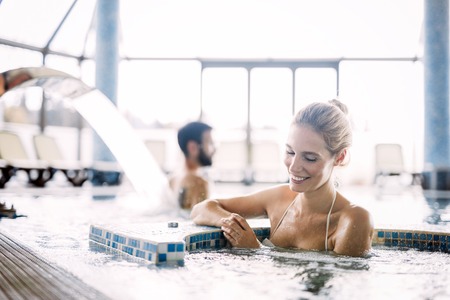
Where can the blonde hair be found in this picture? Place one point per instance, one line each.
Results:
(330, 120)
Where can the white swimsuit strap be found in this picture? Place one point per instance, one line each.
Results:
(282, 217)
(328, 221)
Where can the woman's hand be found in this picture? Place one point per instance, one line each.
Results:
(237, 231)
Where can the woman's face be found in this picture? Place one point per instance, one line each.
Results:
(307, 159)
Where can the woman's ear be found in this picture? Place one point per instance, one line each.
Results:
(340, 158)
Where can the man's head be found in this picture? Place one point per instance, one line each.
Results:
(195, 142)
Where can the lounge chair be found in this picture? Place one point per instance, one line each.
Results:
(230, 161)
(388, 162)
(105, 173)
(6, 173)
(47, 150)
(15, 158)
(267, 162)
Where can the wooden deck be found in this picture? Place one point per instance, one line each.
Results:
(26, 275)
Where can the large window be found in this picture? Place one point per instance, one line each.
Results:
(224, 97)
(270, 98)
(160, 92)
(385, 101)
(314, 84)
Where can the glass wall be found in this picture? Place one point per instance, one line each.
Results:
(314, 84)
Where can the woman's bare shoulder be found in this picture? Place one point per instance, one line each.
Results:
(280, 191)
(356, 213)
(354, 231)
(355, 219)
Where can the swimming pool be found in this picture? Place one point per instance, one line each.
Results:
(57, 227)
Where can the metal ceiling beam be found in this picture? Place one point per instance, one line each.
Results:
(238, 62)
(38, 49)
(46, 49)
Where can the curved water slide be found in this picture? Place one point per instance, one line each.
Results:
(102, 115)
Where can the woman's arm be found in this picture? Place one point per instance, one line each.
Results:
(354, 232)
(211, 211)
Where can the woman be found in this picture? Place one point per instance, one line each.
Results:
(308, 213)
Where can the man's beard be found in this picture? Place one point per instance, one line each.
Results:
(204, 160)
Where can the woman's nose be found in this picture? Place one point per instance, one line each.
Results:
(294, 164)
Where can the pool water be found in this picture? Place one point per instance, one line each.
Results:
(57, 228)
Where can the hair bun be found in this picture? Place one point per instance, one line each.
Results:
(340, 105)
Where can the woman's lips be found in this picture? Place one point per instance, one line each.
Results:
(298, 179)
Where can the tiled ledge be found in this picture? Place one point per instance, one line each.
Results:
(420, 240)
(162, 242)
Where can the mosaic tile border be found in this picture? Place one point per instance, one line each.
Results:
(421, 240)
(161, 243)
(158, 243)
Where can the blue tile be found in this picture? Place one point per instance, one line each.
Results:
(416, 236)
(180, 248)
(436, 237)
(402, 235)
(162, 257)
(127, 249)
(442, 238)
(429, 237)
(423, 236)
(140, 253)
(388, 234)
(119, 239)
(423, 246)
(395, 235)
(394, 243)
(98, 231)
(150, 256)
(134, 243)
(409, 236)
(147, 246)
(171, 248)
(381, 234)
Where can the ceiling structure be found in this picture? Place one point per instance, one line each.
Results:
(251, 29)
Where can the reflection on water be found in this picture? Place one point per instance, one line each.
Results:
(440, 214)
